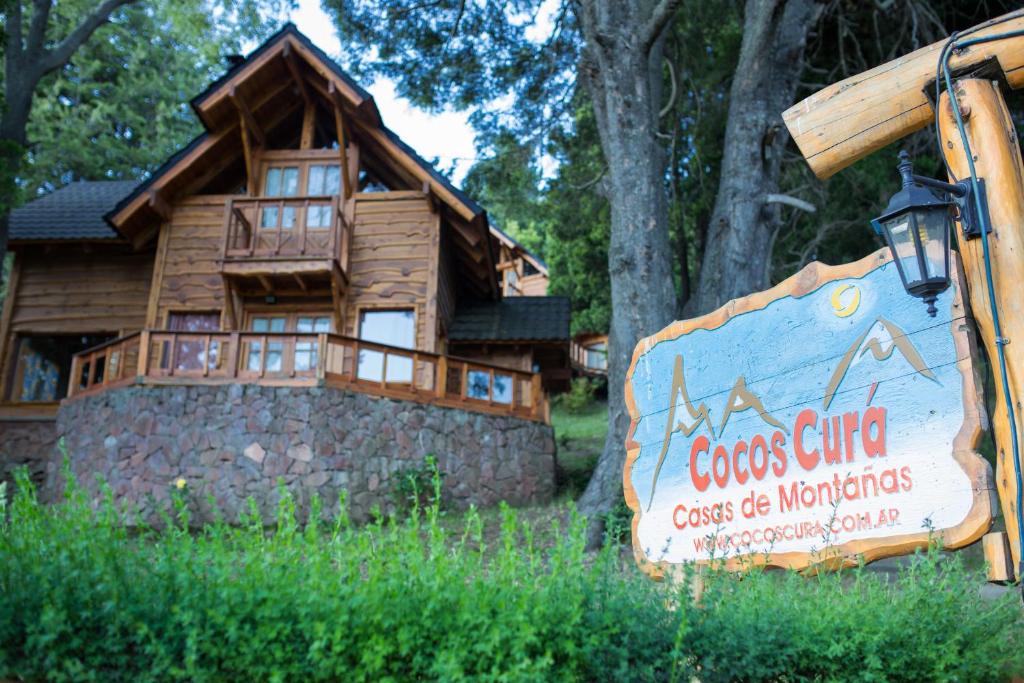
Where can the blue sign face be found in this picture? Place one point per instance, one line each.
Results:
(821, 420)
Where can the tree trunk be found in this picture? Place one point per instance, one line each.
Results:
(623, 78)
(765, 82)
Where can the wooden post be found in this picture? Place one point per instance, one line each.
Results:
(442, 376)
(997, 160)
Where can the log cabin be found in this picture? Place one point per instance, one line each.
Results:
(297, 241)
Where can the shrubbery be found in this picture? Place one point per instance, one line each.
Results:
(82, 598)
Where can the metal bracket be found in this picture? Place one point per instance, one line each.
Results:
(970, 221)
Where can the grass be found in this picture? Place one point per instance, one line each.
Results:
(580, 436)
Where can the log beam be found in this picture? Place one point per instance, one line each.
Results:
(342, 132)
(998, 161)
(247, 117)
(293, 68)
(853, 118)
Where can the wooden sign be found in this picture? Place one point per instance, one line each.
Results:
(827, 418)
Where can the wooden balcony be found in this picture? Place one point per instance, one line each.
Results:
(289, 359)
(290, 239)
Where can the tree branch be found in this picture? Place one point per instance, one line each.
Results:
(672, 93)
(662, 13)
(790, 201)
(37, 28)
(13, 44)
(59, 55)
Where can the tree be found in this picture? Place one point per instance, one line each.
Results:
(95, 92)
(765, 82)
(33, 47)
(443, 52)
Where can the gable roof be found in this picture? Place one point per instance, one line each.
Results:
(516, 318)
(514, 244)
(216, 112)
(73, 212)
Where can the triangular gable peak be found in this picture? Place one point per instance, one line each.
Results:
(289, 95)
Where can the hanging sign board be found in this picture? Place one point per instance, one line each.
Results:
(827, 418)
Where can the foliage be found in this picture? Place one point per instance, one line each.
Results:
(83, 599)
(119, 108)
(579, 397)
(414, 487)
(928, 624)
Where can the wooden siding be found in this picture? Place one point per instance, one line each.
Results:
(187, 275)
(445, 287)
(391, 261)
(69, 289)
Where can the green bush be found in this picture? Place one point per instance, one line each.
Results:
(929, 623)
(82, 598)
(579, 397)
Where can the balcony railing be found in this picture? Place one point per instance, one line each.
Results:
(286, 228)
(292, 359)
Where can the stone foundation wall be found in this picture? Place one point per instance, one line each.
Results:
(231, 442)
(27, 442)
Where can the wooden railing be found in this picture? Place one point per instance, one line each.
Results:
(578, 357)
(293, 359)
(113, 363)
(286, 228)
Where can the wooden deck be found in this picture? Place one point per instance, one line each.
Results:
(289, 359)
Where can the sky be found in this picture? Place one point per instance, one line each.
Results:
(446, 136)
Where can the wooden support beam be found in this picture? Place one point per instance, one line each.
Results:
(852, 118)
(993, 142)
(308, 126)
(247, 117)
(5, 324)
(293, 67)
(160, 205)
(300, 282)
(251, 184)
(265, 282)
(342, 132)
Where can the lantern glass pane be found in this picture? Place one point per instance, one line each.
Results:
(933, 226)
(901, 241)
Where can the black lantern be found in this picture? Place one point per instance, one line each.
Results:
(916, 225)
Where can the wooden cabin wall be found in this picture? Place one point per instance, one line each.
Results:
(534, 285)
(504, 355)
(74, 288)
(390, 261)
(187, 275)
(64, 289)
(446, 275)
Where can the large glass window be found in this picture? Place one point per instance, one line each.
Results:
(42, 365)
(394, 328)
(272, 361)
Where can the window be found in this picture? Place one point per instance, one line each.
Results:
(480, 387)
(322, 180)
(305, 354)
(511, 281)
(281, 181)
(42, 365)
(597, 356)
(306, 350)
(275, 349)
(394, 328)
(192, 354)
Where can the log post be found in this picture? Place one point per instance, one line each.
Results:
(997, 156)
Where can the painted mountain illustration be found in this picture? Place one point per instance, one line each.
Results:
(881, 340)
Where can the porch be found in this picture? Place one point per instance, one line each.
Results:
(159, 357)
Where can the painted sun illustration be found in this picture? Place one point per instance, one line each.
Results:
(845, 300)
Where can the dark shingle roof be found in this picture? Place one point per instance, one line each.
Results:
(516, 318)
(74, 212)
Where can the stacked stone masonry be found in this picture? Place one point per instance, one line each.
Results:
(233, 442)
(28, 443)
